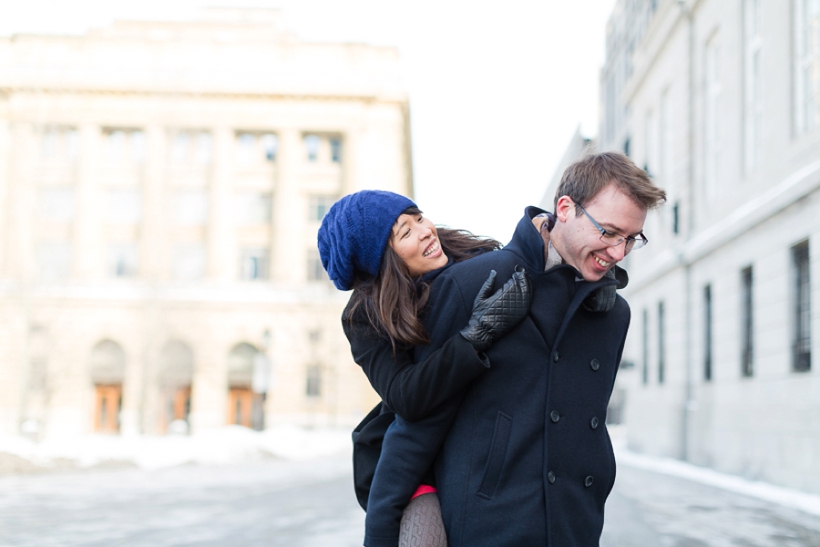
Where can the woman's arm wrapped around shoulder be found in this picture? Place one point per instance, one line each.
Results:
(412, 390)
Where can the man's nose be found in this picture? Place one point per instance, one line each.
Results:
(617, 252)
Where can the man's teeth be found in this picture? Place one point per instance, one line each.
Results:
(433, 248)
(603, 263)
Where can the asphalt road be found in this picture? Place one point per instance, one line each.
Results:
(311, 504)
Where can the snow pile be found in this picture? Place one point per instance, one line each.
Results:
(787, 497)
(222, 445)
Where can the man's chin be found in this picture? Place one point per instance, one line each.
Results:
(594, 276)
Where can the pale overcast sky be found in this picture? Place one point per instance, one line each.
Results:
(496, 90)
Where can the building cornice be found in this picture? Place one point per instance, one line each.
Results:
(7, 91)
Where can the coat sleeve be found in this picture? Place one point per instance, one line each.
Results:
(409, 449)
(412, 389)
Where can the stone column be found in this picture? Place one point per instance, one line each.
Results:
(209, 395)
(154, 252)
(87, 244)
(21, 202)
(350, 161)
(223, 257)
(289, 217)
(5, 161)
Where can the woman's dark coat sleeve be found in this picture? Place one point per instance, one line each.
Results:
(412, 390)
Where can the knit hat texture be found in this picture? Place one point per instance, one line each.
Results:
(355, 231)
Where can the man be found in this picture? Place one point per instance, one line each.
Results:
(524, 459)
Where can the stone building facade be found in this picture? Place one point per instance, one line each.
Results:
(720, 102)
(161, 185)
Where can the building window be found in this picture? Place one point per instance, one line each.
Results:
(253, 208)
(712, 116)
(313, 387)
(335, 150)
(270, 146)
(254, 263)
(191, 207)
(707, 333)
(661, 344)
(123, 259)
(181, 147)
(189, 262)
(256, 148)
(125, 145)
(318, 206)
(747, 323)
(807, 65)
(54, 260)
(124, 206)
(192, 147)
(312, 147)
(665, 133)
(61, 143)
(315, 270)
(645, 352)
(57, 204)
(753, 114)
(245, 148)
(801, 295)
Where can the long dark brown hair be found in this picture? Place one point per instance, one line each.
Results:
(394, 300)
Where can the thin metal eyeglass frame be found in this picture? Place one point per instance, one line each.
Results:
(631, 242)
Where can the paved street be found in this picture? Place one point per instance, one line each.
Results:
(653, 509)
(272, 504)
(310, 504)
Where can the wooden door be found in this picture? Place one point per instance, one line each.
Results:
(107, 409)
(176, 405)
(182, 403)
(240, 405)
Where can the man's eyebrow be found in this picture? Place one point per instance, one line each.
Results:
(617, 230)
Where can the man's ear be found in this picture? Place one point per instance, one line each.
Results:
(564, 208)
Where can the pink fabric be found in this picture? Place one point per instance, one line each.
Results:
(423, 489)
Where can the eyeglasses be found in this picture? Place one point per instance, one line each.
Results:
(613, 239)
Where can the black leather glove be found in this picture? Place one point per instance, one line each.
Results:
(495, 315)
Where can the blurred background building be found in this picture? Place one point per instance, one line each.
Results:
(720, 102)
(161, 185)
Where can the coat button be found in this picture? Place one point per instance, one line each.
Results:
(554, 416)
(555, 356)
(593, 423)
(588, 481)
(551, 477)
(594, 364)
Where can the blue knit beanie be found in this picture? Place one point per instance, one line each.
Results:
(355, 231)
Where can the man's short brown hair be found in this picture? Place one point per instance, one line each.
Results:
(583, 180)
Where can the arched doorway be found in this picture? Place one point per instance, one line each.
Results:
(107, 370)
(245, 407)
(176, 371)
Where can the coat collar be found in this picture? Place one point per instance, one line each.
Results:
(526, 242)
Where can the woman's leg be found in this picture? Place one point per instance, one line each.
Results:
(421, 524)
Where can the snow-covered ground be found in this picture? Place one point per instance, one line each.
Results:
(786, 497)
(236, 444)
(223, 445)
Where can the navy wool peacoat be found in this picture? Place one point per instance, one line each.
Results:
(523, 457)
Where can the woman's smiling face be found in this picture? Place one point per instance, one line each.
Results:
(415, 241)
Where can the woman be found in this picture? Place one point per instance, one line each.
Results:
(381, 246)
